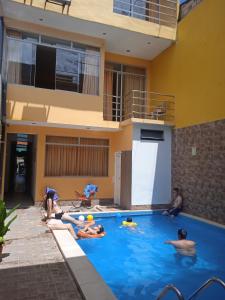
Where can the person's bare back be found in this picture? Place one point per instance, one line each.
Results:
(183, 246)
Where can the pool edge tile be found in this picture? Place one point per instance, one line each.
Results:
(203, 220)
(91, 284)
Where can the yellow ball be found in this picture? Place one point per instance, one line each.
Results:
(90, 218)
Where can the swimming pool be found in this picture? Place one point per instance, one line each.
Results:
(136, 263)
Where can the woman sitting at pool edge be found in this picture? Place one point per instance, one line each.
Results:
(51, 206)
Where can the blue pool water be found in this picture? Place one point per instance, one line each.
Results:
(136, 263)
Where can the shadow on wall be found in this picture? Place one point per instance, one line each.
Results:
(29, 113)
(54, 98)
(39, 114)
(162, 180)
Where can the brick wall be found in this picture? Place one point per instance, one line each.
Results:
(198, 167)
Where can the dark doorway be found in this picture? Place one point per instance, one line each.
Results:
(45, 67)
(20, 169)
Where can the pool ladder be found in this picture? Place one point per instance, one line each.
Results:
(179, 295)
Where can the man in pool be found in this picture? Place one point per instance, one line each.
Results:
(182, 245)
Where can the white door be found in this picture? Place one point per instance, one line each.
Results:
(117, 178)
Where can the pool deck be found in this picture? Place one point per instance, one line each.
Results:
(32, 265)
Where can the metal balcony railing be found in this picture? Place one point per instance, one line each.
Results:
(148, 105)
(140, 105)
(162, 12)
(112, 108)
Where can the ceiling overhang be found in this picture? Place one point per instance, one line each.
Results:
(117, 40)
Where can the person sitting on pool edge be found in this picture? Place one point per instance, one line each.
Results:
(51, 206)
(93, 230)
(176, 205)
(182, 245)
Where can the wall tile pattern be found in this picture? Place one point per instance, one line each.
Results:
(201, 176)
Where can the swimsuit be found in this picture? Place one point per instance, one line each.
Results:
(58, 216)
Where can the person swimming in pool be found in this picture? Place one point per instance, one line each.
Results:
(182, 245)
(93, 230)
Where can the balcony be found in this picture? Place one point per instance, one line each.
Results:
(140, 106)
(155, 11)
(146, 23)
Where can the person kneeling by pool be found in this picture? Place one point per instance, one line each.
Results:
(176, 204)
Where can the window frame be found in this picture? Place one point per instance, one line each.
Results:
(80, 145)
(71, 49)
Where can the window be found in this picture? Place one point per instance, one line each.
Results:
(152, 135)
(21, 62)
(156, 11)
(78, 72)
(76, 156)
(52, 63)
(132, 8)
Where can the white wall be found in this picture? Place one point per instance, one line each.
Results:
(151, 167)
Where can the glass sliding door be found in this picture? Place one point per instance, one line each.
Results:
(67, 70)
(112, 92)
(119, 82)
(45, 67)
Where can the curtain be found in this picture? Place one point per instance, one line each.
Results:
(88, 157)
(90, 72)
(108, 95)
(133, 79)
(22, 59)
(14, 58)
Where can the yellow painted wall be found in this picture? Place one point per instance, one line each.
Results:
(193, 68)
(55, 106)
(122, 140)
(67, 185)
(102, 12)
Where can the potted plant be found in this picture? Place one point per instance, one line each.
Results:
(4, 226)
